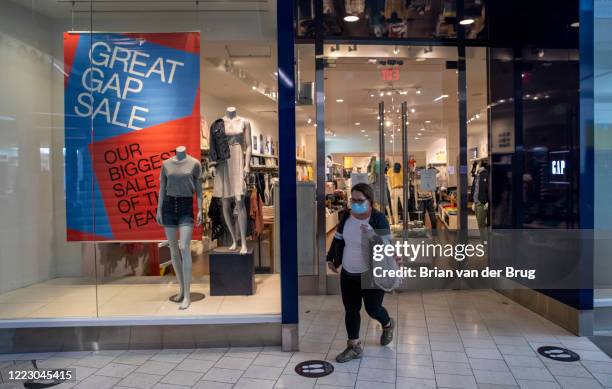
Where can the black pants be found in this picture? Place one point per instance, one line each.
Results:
(427, 205)
(352, 294)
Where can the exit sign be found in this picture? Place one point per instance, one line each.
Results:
(390, 74)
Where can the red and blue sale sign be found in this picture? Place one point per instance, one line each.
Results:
(130, 100)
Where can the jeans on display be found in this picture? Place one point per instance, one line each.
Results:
(352, 294)
(428, 205)
(396, 196)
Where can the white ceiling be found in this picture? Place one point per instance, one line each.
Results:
(353, 78)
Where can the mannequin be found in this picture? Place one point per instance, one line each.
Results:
(396, 189)
(480, 195)
(179, 181)
(230, 174)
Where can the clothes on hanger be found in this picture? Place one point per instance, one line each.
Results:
(256, 213)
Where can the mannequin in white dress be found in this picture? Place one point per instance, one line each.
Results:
(229, 175)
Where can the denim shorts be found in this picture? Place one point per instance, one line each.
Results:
(177, 211)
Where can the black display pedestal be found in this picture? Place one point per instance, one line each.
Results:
(231, 273)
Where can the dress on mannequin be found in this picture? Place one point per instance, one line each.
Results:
(229, 174)
(180, 179)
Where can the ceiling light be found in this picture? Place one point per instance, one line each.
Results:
(254, 87)
(418, 91)
(419, 134)
(501, 101)
(387, 123)
(389, 93)
(407, 122)
(366, 135)
(422, 129)
(575, 24)
(334, 134)
(315, 124)
(382, 94)
(440, 98)
(416, 138)
(536, 98)
(378, 117)
(421, 59)
(372, 60)
(547, 96)
(309, 120)
(427, 121)
(371, 94)
(351, 18)
(390, 141)
(466, 22)
(396, 50)
(357, 124)
(412, 110)
(362, 130)
(477, 116)
(339, 101)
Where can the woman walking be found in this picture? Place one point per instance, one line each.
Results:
(347, 250)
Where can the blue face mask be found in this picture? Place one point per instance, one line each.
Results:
(362, 207)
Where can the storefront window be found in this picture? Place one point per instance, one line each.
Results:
(139, 162)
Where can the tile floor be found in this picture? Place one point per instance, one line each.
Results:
(450, 339)
(133, 296)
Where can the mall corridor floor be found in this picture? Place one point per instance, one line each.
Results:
(446, 339)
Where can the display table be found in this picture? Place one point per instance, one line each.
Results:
(231, 273)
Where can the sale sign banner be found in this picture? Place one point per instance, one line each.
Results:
(130, 99)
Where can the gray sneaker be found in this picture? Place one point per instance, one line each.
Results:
(353, 351)
(387, 334)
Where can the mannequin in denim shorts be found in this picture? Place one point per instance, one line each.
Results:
(179, 181)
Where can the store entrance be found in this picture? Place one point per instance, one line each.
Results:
(391, 120)
(390, 117)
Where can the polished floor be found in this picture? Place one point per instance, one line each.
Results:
(131, 297)
(450, 339)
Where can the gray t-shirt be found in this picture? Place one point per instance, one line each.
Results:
(180, 177)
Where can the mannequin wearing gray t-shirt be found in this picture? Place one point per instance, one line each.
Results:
(180, 177)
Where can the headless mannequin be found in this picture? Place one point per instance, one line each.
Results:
(230, 114)
(179, 240)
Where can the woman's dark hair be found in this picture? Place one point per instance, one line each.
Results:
(367, 191)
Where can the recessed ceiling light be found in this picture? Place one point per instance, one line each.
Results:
(418, 91)
(390, 141)
(382, 94)
(387, 123)
(315, 124)
(357, 124)
(427, 121)
(371, 94)
(351, 18)
(254, 87)
(389, 93)
(416, 138)
(536, 98)
(502, 101)
(372, 60)
(412, 110)
(339, 100)
(419, 134)
(362, 130)
(477, 116)
(575, 24)
(422, 129)
(421, 59)
(466, 22)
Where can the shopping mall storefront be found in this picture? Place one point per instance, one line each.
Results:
(171, 172)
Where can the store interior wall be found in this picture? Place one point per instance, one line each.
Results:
(33, 227)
